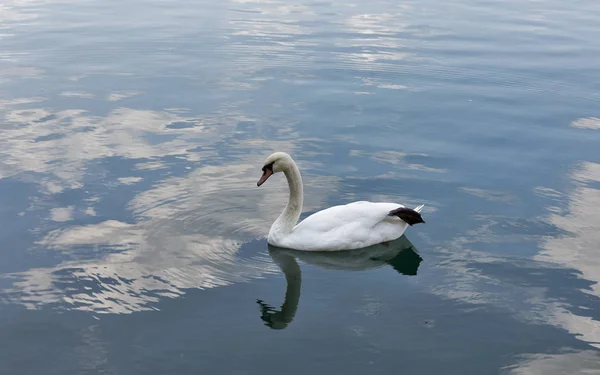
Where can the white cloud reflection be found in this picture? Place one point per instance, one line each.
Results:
(579, 249)
(188, 235)
(187, 229)
(78, 94)
(120, 95)
(398, 160)
(62, 213)
(587, 123)
(129, 180)
(582, 362)
(61, 143)
(575, 248)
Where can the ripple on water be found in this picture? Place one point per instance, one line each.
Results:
(187, 233)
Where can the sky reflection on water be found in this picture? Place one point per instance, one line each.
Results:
(130, 149)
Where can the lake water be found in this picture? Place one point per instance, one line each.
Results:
(132, 134)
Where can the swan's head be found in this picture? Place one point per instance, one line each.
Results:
(276, 162)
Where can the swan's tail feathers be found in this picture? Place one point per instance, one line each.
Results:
(408, 215)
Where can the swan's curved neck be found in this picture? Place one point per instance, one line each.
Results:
(290, 215)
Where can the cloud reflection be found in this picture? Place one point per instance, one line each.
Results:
(526, 288)
(587, 123)
(120, 95)
(579, 248)
(187, 230)
(188, 236)
(61, 143)
(583, 362)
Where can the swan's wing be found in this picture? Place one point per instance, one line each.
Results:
(367, 214)
(354, 225)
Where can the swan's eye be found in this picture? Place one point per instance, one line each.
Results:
(269, 167)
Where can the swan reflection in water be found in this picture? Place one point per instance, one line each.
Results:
(400, 254)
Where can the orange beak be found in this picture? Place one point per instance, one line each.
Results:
(266, 174)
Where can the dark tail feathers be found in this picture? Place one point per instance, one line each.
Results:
(410, 216)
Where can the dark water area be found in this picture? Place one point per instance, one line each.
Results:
(132, 233)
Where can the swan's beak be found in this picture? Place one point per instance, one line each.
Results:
(266, 174)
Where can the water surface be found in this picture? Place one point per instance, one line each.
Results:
(132, 134)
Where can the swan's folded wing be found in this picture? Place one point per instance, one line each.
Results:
(353, 225)
(367, 214)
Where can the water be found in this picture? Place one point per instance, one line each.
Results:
(132, 135)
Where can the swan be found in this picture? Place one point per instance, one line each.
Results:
(344, 227)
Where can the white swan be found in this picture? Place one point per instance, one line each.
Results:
(351, 226)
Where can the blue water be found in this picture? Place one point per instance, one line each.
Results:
(132, 134)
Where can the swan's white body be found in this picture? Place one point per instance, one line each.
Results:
(351, 226)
